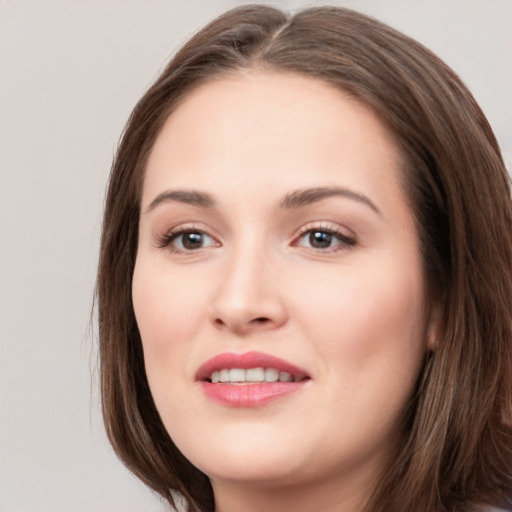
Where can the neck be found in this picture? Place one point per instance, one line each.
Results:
(328, 496)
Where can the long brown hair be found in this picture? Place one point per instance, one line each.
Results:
(456, 449)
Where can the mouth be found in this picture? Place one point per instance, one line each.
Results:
(252, 376)
(249, 379)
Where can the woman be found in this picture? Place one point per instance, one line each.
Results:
(305, 276)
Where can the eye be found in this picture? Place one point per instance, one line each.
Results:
(324, 239)
(187, 240)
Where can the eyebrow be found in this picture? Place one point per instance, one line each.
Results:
(183, 196)
(312, 195)
(295, 199)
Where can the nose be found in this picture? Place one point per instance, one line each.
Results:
(249, 297)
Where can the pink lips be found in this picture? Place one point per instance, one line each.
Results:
(248, 395)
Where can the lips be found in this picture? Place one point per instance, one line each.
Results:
(249, 379)
(248, 361)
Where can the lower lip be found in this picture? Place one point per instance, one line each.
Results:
(249, 395)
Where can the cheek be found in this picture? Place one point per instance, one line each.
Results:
(369, 340)
(370, 322)
(167, 310)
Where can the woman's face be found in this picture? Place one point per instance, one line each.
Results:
(276, 240)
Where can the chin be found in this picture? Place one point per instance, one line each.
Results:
(260, 471)
(246, 454)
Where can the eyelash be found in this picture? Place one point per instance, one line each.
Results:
(345, 242)
(167, 240)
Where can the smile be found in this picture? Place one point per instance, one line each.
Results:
(249, 380)
(240, 375)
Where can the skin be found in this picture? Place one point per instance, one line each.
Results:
(351, 314)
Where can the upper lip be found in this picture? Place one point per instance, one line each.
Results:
(245, 361)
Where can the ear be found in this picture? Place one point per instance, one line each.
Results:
(433, 327)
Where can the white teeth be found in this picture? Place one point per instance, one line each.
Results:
(236, 375)
(233, 375)
(255, 375)
(285, 377)
(271, 375)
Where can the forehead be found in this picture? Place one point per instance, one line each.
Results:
(249, 124)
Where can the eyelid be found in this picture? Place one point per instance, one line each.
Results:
(346, 237)
(164, 240)
(347, 240)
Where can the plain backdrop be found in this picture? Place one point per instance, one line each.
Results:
(70, 73)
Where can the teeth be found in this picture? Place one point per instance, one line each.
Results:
(236, 375)
(285, 377)
(250, 375)
(271, 375)
(255, 375)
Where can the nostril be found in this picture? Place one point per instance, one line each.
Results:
(261, 320)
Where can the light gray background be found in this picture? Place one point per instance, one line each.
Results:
(70, 72)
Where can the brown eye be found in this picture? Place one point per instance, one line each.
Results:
(320, 239)
(191, 240)
(325, 240)
(187, 241)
